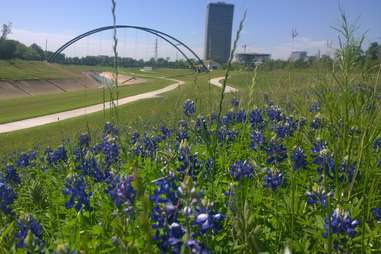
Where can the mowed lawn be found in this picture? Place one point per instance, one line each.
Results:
(27, 107)
(20, 108)
(281, 86)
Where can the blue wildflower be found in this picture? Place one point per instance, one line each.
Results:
(11, 175)
(25, 159)
(165, 200)
(7, 197)
(316, 122)
(56, 156)
(209, 164)
(208, 221)
(256, 119)
(285, 128)
(257, 139)
(174, 234)
(240, 116)
(318, 146)
(376, 213)
(149, 146)
(341, 223)
(274, 113)
(88, 165)
(137, 149)
(164, 214)
(301, 122)
(166, 132)
(182, 135)
(134, 137)
(276, 152)
(122, 193)
(189, 163)
(28, 225)
(201, 124)
(225, 134)
(298, 159)
(84, 140)
(228, 118)
(189, 107)
(377, 144)
(273, 179)
(347, 171)
(75, 187)
(323, 158)
(235, 102)
(195, 247)
(317, 196)
(241, 170)
(110, 150)
(182, 132)
(109, 130)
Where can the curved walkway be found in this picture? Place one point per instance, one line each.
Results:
(47, 119)
(217, 82)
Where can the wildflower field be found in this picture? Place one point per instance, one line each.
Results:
(249, 176)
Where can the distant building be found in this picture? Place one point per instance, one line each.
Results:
(218, 32)
(252, 58)
(298, 56)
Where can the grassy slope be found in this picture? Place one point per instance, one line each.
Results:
(22, 70)
(27, 107)
(168, 109)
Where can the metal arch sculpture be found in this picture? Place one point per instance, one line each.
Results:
(157, 33)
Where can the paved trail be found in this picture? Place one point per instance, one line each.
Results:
(42, 120)
(56, 117)
(217, 82)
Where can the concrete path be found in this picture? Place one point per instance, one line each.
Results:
(42, 120)
(217, 82)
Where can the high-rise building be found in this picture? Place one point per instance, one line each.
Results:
(218, 34)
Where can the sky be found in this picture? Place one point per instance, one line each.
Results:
(267, 28)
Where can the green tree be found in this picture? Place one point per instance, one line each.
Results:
(5, 30)
(38, 50)
(7, 49)
(373, 52)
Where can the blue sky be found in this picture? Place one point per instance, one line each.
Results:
(267, 29)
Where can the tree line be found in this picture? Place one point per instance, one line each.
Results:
(12, 49)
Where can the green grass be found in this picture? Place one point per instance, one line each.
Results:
(140, 114)
(26, 70)
(168, 108)
(28, 107)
